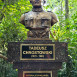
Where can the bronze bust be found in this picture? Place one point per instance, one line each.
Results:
(38, 21)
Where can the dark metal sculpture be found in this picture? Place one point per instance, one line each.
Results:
(38, 21)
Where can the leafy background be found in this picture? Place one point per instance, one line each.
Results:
(64, 31)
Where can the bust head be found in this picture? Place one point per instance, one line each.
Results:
(37, 3)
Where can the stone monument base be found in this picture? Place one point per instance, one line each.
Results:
(37, 58)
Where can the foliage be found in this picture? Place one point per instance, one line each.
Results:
(12, 30)
(6, 69)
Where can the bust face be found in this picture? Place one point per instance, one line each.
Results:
(36, 2)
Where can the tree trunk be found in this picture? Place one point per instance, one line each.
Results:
(61, 16)
(66, 13)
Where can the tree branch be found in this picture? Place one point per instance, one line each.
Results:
(4, 57)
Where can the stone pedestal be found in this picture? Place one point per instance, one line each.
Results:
(36, 66)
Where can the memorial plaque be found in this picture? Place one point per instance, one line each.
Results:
(37, 52)
(37, 74)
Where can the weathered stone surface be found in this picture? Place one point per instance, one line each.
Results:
(34, 66)
(60, 51)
